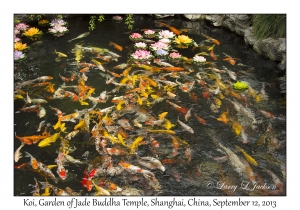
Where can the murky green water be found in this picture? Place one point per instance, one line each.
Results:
(203, 174)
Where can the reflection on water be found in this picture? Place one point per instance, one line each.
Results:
(237, 146)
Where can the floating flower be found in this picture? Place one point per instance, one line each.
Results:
(18, 55)
(175, 55)
(117, 18)
(141, 55)
(240, 86)
(58, 22)
(165, 40)
(161, 53)
(58, 30)
(43, 22)
(149, 33)
(166, 34)
(33, 33)
(159, 46)
(19, 46)
(183, 41)
(21, 26)
(199, 59)
(135, 36)
(140, 45)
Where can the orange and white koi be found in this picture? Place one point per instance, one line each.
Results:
(266, 114)
(188, 114)
(58, 112)
(65, 79)
(174, 30)
(114, 151)
(43, 78)
(70, 117)
(135, 169)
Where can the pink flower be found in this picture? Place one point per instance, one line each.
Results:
(117, 17)
(149, 32)
(141, 54)
(175, 55)
(21, 27)
(159, 46)
(136, 36)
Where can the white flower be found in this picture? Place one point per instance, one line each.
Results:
(140, 45)
(199, 59)
(165, 40)
(166, 34)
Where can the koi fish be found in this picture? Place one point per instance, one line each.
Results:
(47, 141)
(241, 167)
(62, 55)
(118, 47)
(69, 117)
(266, 114)
(56, 190)
(185, 126)
(18, 154)
(135, 169)
(100, 190)
(114, 151)
(174, 30)
(33, 162)
(247, 156)
(99, 65)
(201, 120)
(80, 36)
(211, 39)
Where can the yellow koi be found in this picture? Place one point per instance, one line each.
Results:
(162, 115)
(119, 105)
(135, 144)
(121, 139)
(247, 156)
(139, 100)
(47, 141)
(57, 125)
(18, 96)
(167, 124)
(62, 55)
(237, 128)
(83, 103)
(80, 124)
(162, 131)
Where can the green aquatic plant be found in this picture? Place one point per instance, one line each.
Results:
(240, 86)
(129, 21)
(92, 21)
(269, 25)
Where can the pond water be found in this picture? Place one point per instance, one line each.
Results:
(238, 148)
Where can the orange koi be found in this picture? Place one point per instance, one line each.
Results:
(212, 54)
(172, 68)
(206, 93)
(174, 30)
(211, 39)
(201, 120)
(85, 69)
(118, 47)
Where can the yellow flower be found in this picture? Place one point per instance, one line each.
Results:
(19, 46)
(31, 32)
(182, 39)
